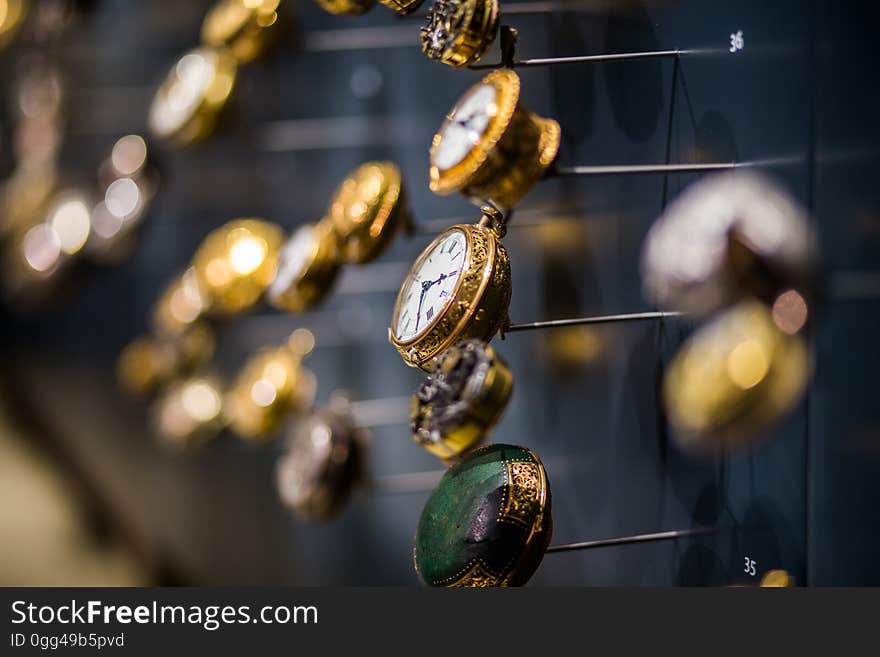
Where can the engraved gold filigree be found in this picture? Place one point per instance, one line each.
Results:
(479, 304)
(523, 492)
(459, 32)
(477, 577)
(402, 7)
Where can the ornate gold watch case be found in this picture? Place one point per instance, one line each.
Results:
(477, 305)
(457, 405)
(488, 522)
(508, 157)
(367, 210)
(459, 32)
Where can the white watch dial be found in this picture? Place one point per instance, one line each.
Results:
(465, 126)
(296, 254)
(429, 288)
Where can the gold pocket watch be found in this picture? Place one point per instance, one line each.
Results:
(491, 148)
(458, 288)
(737, 375)
(236, 263)
(189, 412)
(149, 362)
(244, 27)
(323, 461)
(460, 402)
(272, 386)
(307, 267)
(459, 32)
(367, 209)
(188, 103)
(189, 100)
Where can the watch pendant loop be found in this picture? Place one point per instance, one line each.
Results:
(495, 220)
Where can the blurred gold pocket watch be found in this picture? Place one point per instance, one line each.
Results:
(459, 32)
(735, 376)
(236, 263)
(491, 148)
(367, 210)
(459, 403)
(323, 461)
(186, 106)
(241, 26)
(346, 7)
(246, 260)
(272, 386)
(13, 14)
(189, 412)
(458, 288)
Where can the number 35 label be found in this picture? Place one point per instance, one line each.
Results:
(750, 567)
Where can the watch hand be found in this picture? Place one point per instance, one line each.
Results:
(425, 286)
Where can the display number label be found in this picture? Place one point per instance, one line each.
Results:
(750, 567)
(737, 41)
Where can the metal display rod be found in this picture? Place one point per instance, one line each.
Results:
(629, 540)
(598, 319)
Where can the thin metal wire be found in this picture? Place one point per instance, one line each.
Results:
(383, 412)
(600, 319)
(637, 169)
(404, 484)
(584, 59)
(628, 540)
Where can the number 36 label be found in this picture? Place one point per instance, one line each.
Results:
(737, 41)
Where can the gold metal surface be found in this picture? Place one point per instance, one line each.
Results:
(509, 158)
(181, 304)
(150, 362)
(12, 15)
(479, 304)
(236, 263)
(777, 579)
(367, 209)
(272, 386)
(480, 403)
(402, 7)
(244, 27)
(459, 32)
(346, 7)
(733, 378)
(188, 102)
